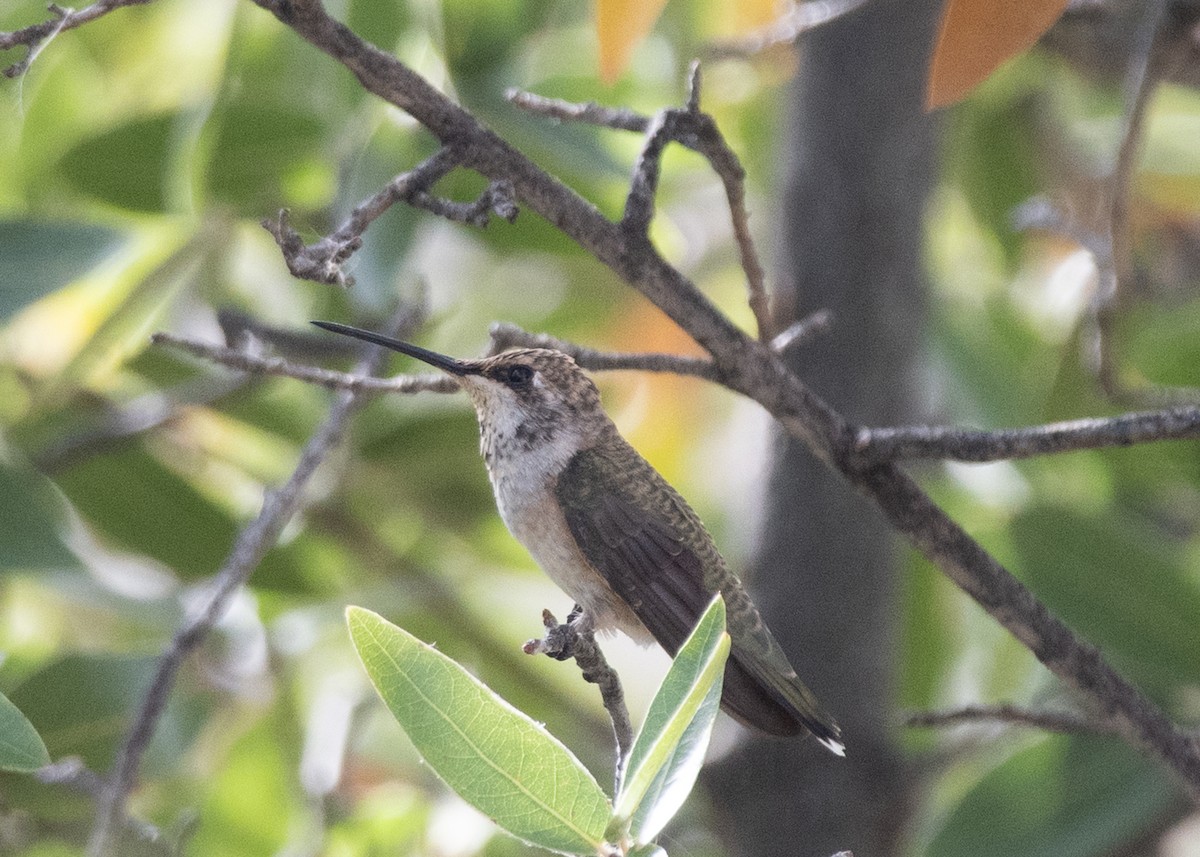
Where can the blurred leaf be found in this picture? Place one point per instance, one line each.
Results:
(38, 257)
(977, 36)
(495, 757)
(81, 704)
(32, 522)
(127, 165)
(1062, 797)
(258, 772)
(1163, 343)
(21, 748)
(991, 156)
(130, 497)
(620, 27)
(1118, 586)
(667, 754)
(259, 148)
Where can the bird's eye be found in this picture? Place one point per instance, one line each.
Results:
(518, 375)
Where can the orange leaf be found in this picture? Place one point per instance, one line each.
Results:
(977, 36)
(620, 26)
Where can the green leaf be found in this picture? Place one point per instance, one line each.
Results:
(1062, 797)
(667, 754)
(1132, 594)
(21, 748)
(82, 703)
(32, 522)
(126, 165)
(495, 757)
(38, 257)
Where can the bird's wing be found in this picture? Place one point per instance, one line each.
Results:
(652, 549)
(628, 535)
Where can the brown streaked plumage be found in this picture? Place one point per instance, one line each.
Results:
(610, 531)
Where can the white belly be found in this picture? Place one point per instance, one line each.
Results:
(536, 520)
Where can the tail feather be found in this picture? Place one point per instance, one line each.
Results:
(775, 708)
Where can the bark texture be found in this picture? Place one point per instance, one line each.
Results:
(858, 168)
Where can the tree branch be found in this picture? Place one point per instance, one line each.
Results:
(568, 640)
(753, 369)
(35, 37)
(889, 444)
(248, 550)
(694, 130)
(1050, 721)
(505, 336)
(749, 367)
(322, 260)
(244, 361)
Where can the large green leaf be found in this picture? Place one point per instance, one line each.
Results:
(667, 754)
(32, 522)
(495, 757)
(38, 257)
(82, 703)
(126, 165)
(1062, 797)
(1123, 590)
(21, 748)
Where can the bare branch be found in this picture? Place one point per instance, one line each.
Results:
(753, 369)
(497, 199)
(591, 113)
(251, 545)
(1050, 721)
(694, 130)
(322, 260)
(569, 640)
(36, 37)
(244, 361)
(958, 444)
(505, 336)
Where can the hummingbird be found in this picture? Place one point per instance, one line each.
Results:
(610, 531)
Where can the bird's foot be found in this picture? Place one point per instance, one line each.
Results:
(560, 640)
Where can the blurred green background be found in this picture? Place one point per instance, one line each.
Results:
(136, 161)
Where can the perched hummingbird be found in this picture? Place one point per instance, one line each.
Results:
(609, 530)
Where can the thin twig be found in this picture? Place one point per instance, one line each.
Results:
(505, 336)
(322, 260)
(1050, 721)
(497, 198)
(959, 444)
(244, 361)
(568, 640)
(252, 544)
(36, 36)
(591, 113)
(694, 130)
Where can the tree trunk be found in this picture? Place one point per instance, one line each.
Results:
(858, 166)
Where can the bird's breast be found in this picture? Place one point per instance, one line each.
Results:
(532, 514)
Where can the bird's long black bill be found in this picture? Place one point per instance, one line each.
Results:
(441, 361)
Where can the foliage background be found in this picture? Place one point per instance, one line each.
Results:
(136, 160)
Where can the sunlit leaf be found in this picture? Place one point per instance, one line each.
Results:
(21, 748)
(495, 757)
(667, 754)
(620, 27)
(977, 36)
